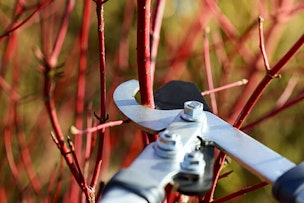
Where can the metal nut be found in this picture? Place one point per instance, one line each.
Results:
(193, 111)
(193, 163)
(168, 144)
(168, 141)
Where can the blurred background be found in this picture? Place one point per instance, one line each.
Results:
(232, 31)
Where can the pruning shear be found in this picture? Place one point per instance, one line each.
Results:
(183, 153)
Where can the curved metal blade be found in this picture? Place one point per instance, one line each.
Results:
(147, 119)
(251, 154)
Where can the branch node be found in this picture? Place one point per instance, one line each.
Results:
(101, 120)
(273, 76)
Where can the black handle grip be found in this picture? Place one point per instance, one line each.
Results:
(290, 186)
(137, 182)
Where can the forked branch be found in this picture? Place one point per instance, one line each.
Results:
(272, 73)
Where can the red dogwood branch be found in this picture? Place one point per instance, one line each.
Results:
(262, 44)
(50, 72)
(103, 126)
(273, 72)
(143, 52)
(8, 32)
(102, 70)
(225, 87)
(274, 112)
(156, 26)
(240, 192)
(209, 72)
(81, 81)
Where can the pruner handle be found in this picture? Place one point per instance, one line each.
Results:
(289, 188)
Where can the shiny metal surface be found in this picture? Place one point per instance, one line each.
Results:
(149, 120)
(117, 195)
(251, 154)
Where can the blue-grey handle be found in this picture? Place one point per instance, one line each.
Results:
(136, 182)
(290, 186)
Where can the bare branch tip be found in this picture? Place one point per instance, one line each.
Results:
(206, 31)
(244, 81)
(74, 130)
(69, 138)
(261, 19)
(54, 137)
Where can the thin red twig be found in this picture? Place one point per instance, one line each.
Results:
(262, 45)
(229, 30)
(274, 112)
(89, 140)
(102, 59)
(218, 165)
(10, 158)
(225, 175)
(12, 111)
(186, 47)
(6, 87)
(50, 67)
(61, 34)
(8, 32)
(288, 90)
(58, 136)
(57, 189)
(72, 152)
(102, 71)
(26, 159)
(240, 192)
(103, 126)
(123, 51)
(224, 22)
(156, 26)
(3, 194)
(273, 72)
(209, 73)
(81, 81)
(231, 85)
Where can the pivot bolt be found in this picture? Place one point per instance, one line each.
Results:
(193, 111)
(193, 163)
(168, 144)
